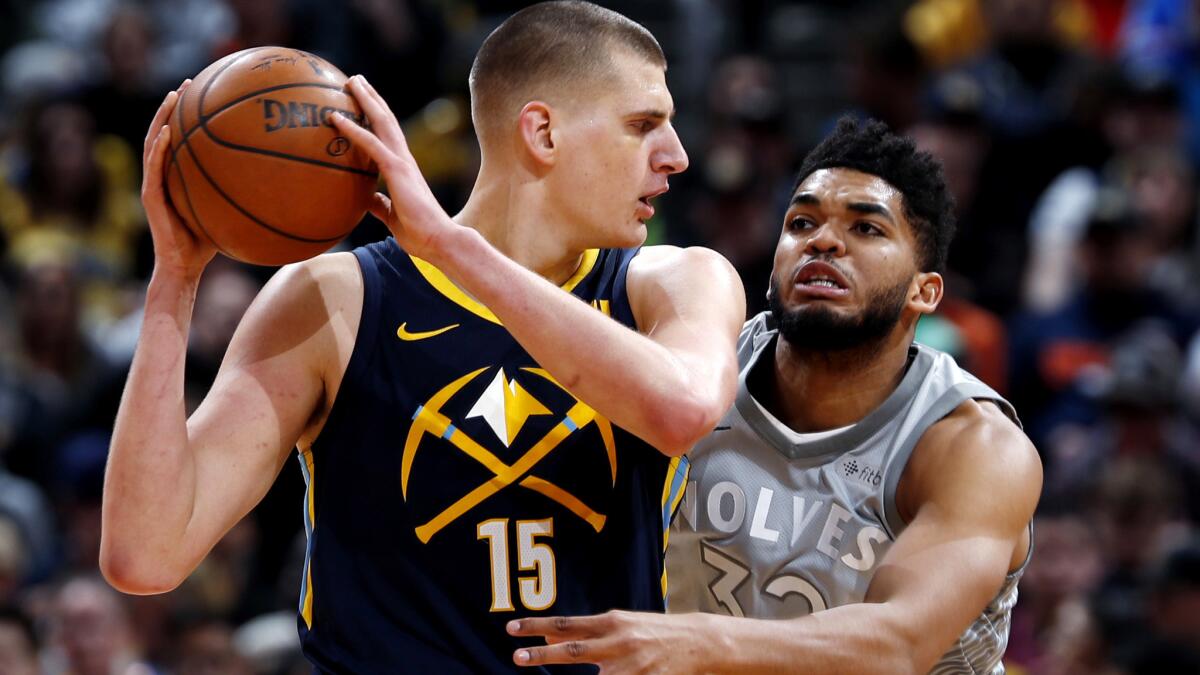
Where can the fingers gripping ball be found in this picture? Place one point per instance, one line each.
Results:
(256, 165)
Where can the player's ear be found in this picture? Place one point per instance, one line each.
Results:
(926, 292)
(535, 124)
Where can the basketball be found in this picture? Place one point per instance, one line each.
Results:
(256, 165)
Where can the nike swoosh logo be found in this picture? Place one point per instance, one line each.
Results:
(409, 337)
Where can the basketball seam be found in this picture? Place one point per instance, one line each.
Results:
(240, 209)
(184, 142)
(191, 209)
(187, 195)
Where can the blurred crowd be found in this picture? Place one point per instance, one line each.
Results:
(1070, 134)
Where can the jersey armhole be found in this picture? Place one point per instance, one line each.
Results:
(621, 310)
(368, 324)
(944, 405)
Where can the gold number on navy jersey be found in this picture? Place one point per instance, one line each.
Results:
(537, 590)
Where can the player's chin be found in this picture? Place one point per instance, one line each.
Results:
(632, 235)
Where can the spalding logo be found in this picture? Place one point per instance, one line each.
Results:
(339, 146)
(293, 114)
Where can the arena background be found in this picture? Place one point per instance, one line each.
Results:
(1070, 132)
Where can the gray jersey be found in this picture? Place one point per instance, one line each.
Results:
(775, 524)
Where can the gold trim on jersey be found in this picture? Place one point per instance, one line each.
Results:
(306, 603)
(672, 498)
(458, 296)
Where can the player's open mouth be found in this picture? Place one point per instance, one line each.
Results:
(645, 208)
(821, 279)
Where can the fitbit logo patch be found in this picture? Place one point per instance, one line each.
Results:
(861, 472)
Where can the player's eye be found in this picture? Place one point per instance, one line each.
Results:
(800, 223)
(643, 126)
(867, 227)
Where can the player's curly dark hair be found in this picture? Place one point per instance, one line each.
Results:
(870, 147)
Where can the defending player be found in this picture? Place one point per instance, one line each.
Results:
(864, 491)
(475, 432)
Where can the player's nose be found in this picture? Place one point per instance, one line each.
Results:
(825, 239)
(670, 157)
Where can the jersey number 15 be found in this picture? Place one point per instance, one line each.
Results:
(539, 589)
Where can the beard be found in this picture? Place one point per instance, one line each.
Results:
(818, 328)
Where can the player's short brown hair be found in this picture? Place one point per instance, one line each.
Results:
(547, 49)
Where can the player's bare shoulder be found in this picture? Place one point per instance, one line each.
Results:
(671, 276)
(654, 260)
(976, 453)
(312, 296)
(305, 320)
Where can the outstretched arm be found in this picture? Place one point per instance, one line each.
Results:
(174, 485)
(971, 488)
(669, 384)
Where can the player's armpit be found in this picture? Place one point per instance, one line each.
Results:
(171, 495)
(971, 488)
(691, 302)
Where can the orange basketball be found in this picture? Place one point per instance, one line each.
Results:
(256, 165)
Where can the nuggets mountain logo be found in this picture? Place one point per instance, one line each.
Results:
(505, 406)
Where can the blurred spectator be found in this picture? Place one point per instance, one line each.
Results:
(14, 559)
(222, 299)
(90, 632)
(73, 196)
(372, 37)
(71, 382)
(1138, 389)
(1141, 124)
(220, 583)
(1028, 74)
(1163, 192)
(124, 97)
(257, 23)
(205, 647)
(1023, 87)
(1050, 350)
(1138, 518)
(270, 644)
(741, 187)
(1162, 640)
(1189, 385)
(18, 643)
(78, 481)
(955, 135)
(887, 72)
(23, 502)
(1175, 598)
(1052, 614)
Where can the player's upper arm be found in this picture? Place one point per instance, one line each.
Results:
(969, 492)
(273, 388)
(690, 301)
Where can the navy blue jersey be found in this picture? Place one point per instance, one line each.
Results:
(456, 485)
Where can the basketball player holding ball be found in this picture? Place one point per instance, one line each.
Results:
(488, 408)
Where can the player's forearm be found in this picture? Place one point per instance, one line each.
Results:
(148, 485)
(637, 383)
(862, 638)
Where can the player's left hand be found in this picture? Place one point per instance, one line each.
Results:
(412, 214)
(618, 642)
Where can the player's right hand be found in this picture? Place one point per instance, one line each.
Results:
(176, 250)
(412, 212)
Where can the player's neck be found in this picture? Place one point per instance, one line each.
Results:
(820, 390)
(510, 214)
